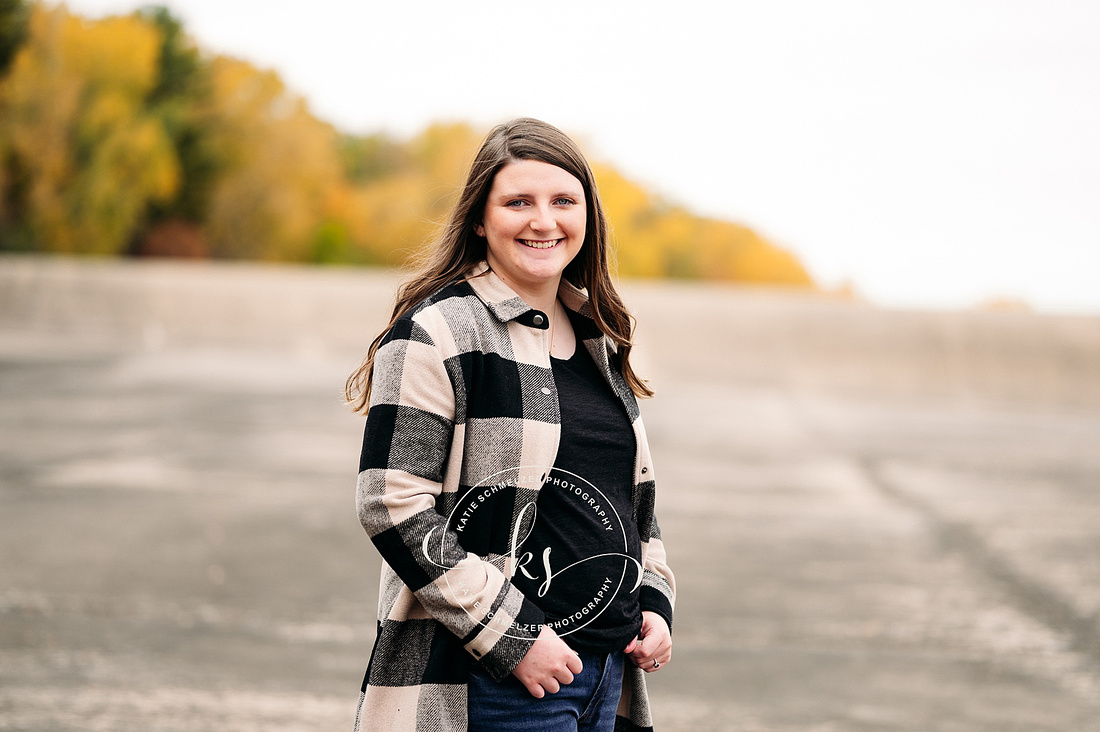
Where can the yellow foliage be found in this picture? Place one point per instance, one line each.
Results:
(653, 239)
(268, 180)
(281, 166)
(72, 117)
(394, 216)
(630, 212)
(117, 53)
(625, 203)
(442, 153)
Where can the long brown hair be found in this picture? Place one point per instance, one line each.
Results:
(459, 248)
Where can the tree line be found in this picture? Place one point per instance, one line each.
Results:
(120, 136)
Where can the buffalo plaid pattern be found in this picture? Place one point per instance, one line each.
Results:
(462, 393)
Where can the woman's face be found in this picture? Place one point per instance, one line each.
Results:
(534, 223)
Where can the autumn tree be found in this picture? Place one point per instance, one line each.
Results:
(368, 158)
(280, 171)
(174, 226)
(397, 209)
(120, 136)
(83, 158)
(653, 238)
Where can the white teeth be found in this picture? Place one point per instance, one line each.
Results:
(539, 244)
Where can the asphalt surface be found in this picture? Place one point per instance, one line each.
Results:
(179, 548)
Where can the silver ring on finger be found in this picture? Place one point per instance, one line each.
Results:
(656, 664)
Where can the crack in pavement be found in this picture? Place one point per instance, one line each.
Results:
(1032, 597)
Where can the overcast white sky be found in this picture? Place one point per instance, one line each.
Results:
(936, 154)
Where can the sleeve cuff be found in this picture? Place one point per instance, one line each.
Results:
(510, 649)
(654, 601)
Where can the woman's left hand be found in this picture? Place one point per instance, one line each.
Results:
(652, 649)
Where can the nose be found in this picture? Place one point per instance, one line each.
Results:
(542, 218)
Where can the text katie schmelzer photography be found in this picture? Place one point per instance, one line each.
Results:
(621, 571)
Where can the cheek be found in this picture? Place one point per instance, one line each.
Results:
(498, 224)
(580, 226)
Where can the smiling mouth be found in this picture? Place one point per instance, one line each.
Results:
(537, 244)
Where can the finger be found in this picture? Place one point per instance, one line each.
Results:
(574, 664)
(631, 646)
(551, 685)
(565, 678)
(535, 690)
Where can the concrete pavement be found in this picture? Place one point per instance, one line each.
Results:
(875, 523)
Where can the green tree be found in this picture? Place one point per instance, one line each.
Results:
(371, 157)
(14, 17)
(181, 91)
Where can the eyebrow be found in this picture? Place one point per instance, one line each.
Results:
(559, 194)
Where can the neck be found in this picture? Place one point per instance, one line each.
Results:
(541, 297)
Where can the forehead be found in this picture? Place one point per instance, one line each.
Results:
(535, 176)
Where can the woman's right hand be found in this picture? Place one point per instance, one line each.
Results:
(548, 665)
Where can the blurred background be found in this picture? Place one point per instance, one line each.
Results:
(872, 226)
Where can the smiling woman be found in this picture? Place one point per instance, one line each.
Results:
(504, 448)
(534, 225)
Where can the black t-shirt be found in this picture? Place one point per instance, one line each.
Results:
(583, 536)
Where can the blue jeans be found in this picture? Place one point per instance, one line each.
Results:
(586, 705)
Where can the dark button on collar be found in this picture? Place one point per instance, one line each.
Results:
(538, 319)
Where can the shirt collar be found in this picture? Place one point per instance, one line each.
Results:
(506, 305)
